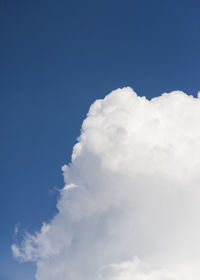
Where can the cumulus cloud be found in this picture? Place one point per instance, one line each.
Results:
(131, 204)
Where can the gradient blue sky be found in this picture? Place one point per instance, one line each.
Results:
(56, 58)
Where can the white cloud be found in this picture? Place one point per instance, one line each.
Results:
(130, 207)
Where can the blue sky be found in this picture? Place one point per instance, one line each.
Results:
(56, 59)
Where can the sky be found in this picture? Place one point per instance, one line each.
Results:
(57, 58)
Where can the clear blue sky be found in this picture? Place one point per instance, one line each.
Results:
(56, 58)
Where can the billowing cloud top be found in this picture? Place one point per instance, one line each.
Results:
(130, 207)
